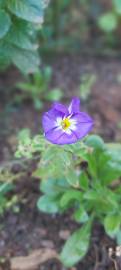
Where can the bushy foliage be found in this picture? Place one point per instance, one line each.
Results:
(37, 89)
(71, 25)
(19, 23)
(83, 177)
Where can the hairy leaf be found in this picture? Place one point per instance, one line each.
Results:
(5, 23)
(29, 10)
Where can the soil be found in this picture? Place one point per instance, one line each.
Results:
(29, 230)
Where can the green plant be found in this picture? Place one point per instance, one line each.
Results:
(66, 25)
(5, 203)
(71, 25)
(37, 88)
(8, 200)
(92, 192)
(110, 20)
(56, 21)
(87, 81)
(19, 23)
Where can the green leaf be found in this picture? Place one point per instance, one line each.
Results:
(19, 35)
(54, 95)
(5, 50)
(87, 81)
(49, 154)
(2, 2)
(110, 165)
(26, 61)
(92, 165)
(95, 142)
(48, 204)
(112, 224)
(114, 147)
(5, 187)
(102, 204)
(53, 186)
(5, 23)
(24, 136)
(114, 153)
(110, 172)
(47, 72)
(70, 196)
(76, 246)
(30, 10)
(104, 163)
(118, 237)
(81, 215)
(117, 6)
(83, 181)
(72, 177)
(25, 87)
(108, 22)
(37, 103)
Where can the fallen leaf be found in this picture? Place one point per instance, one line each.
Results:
(32, 261)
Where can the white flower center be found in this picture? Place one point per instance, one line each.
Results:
(66, 124)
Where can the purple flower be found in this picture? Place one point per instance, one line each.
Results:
(64, 125)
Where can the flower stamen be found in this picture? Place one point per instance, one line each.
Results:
(65, 123)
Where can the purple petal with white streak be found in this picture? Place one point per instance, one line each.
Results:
(49, 119)
(74, 106)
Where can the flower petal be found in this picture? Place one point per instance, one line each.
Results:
(60, 107)
(81, 117)
(84, 124)
(74, 106)
(57, 136)
(49, 119)
(82, 130)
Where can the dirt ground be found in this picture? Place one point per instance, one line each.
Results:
(30, 231)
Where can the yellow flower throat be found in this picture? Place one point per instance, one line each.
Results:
(65, 123)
